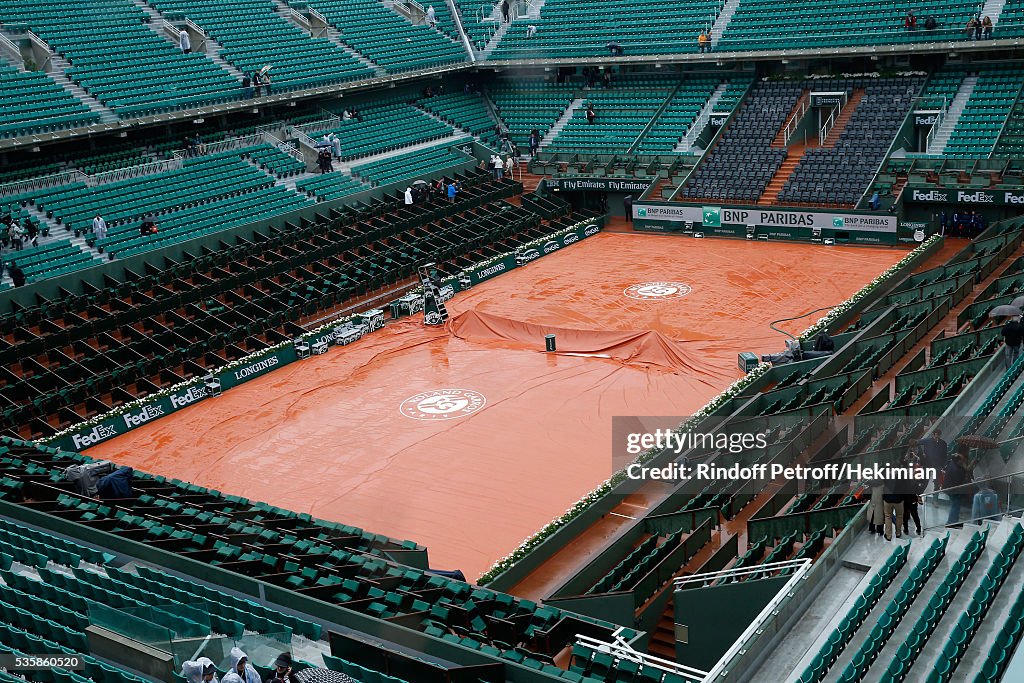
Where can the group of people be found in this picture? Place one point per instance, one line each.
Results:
(255, 82)
(240, 670)
(194, 145)
(978, 27)
(592, 75)
(967, 224)
(499, 166)
(894, 502)
(17, 235)
(424, 193)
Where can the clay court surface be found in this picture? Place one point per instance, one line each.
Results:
(366, 436)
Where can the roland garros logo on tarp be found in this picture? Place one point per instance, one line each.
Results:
(442, 404)
(657, 290)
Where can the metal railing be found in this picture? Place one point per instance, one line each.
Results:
(46, 66)
(800, 569)
(7, 45)
(620, 650)
(134, 171)
(939, 118)
(285, 147)
(956, 505)
(41, 183)
(796, 118)
(830, 122)
(225, 145)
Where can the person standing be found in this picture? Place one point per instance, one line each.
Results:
(986, 28)
(910, 23)
(453, 190)
(408, 196)
(911, 497)
(1013, 337)
(99, 227)
(703, 41)
(957, 477)
(893, 497)
(16, 235)
(184, 42)
(499, 167)
(876, 510)
(627, 206)
(934, 454)
(591, 115)
(431, 17)
(505, 11)
(17, 275)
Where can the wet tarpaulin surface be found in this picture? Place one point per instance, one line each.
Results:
(469, 438)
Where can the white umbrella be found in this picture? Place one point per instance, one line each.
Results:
(266, 69)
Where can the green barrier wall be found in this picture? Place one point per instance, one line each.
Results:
(709, 620)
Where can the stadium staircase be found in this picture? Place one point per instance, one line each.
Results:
(844, 117)
(496, 37)
(722, 22)
(58, 73)
(164, 28)
(329, 32)
(949, 122)
(993, 9)
(562, 121)
(686, 145)
(794, 154)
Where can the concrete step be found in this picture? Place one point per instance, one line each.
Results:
(562, 121)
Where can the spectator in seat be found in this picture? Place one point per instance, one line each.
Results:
(17, 275)
(703, 41)
(117, 485)
(986, 28)
(910, 23)
(283, 669)
(184, 42)
(930, 24)
(1013, 337)
(241, 667)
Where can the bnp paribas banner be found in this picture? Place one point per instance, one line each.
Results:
(138, 413)
(718, 216)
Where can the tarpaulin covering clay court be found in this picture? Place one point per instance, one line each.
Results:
(469, 438)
